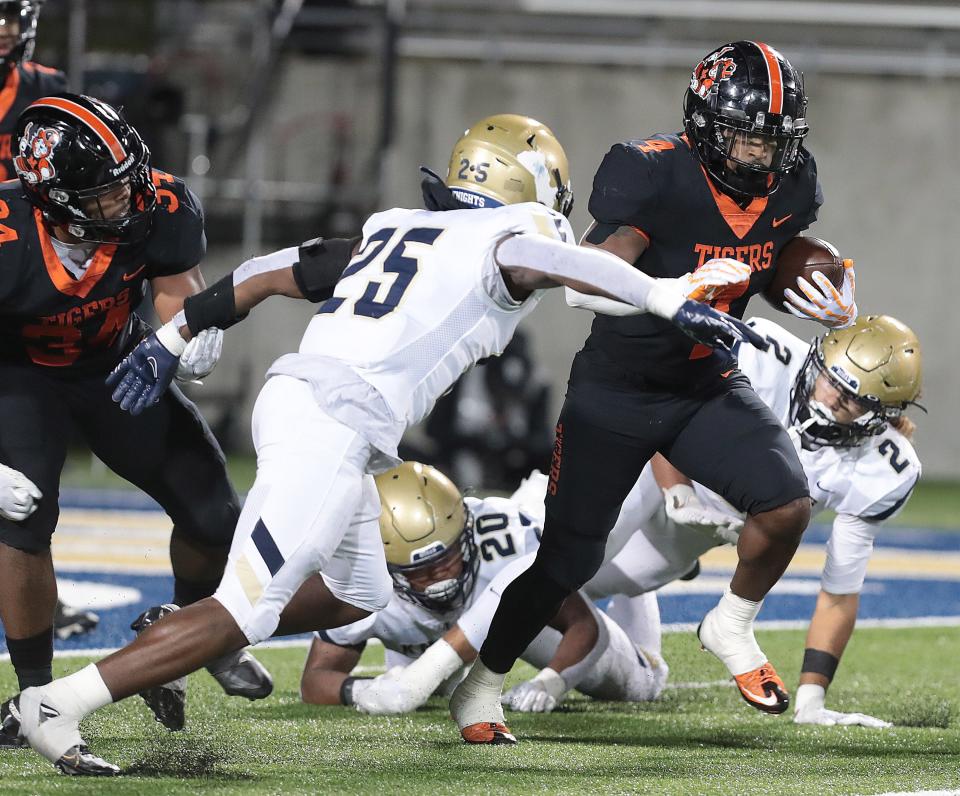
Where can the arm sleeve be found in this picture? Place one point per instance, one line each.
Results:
(848, 553)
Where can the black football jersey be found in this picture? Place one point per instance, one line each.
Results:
(658, 187)
(25, 83)
(71, 326)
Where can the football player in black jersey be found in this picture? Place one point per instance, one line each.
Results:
(88, 225)
(23, 80)
(710, 207)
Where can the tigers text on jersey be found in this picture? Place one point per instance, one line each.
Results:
(872, 480)
(51, 318)
(25, 82)
(422, 301)
(503, 534)
(658, 187)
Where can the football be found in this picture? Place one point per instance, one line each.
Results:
(801, 257)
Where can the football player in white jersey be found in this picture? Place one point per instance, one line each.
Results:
(450, 558)
(842, 399)
(428, 294)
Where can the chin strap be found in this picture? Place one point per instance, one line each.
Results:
(436, 195)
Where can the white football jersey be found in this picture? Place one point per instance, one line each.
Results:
(421, 302)
(872, 480)
(503, 533)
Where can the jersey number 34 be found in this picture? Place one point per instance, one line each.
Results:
(387, 252)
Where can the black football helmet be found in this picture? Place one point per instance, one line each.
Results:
(73, 155)
(23, 14)
(746, 95)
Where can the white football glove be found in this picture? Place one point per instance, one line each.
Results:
(384, 695)
(539, 695)
(720, 279)
(18, 494)
(809, 709)
(834, 308)
(684, 508)
(200, 356)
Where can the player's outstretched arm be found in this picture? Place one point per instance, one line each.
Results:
(531, 262)
(402, 690)
(327, 671)
(309, 271)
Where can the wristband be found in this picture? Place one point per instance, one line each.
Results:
(346, 689)
(169, 337)
(215, 306)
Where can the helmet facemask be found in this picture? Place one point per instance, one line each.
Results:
(816, 422)
(23, 14)
(445, 594)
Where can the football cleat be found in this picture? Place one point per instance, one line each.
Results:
(10, 735)
(760, 685)
(240, 674)
(494, 733)
(69, 621)
(763, 689)
(168, 701)
(57, 737)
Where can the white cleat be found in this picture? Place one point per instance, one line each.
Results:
(475, 707)
(57, 737)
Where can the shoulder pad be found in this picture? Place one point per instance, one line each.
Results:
(627, 185)
(884, 478)
(177, 240)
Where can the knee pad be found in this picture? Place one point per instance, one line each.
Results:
(567, 556)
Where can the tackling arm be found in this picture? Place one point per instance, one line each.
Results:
(326, 671)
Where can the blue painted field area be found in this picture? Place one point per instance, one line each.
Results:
(110, 551)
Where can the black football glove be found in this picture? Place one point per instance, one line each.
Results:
(715, 329)
(143, 375)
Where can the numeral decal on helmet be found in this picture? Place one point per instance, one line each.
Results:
(380, 298)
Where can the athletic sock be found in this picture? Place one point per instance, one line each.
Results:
(32, 658)
(80, 693)
(735, 616)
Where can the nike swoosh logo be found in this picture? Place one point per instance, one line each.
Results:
(778, 221)
(128, 277)
(153, 366)
(821, 486)
(47, 712)
(763, 700)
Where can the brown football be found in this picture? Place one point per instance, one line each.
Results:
(801, 257)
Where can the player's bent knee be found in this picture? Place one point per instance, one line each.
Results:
(567, 556)
(788, 520)
(212, 524)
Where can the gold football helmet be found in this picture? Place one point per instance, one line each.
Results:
(507, 159)
(427, 534)
(876, 362)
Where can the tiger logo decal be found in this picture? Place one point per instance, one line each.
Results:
(711, 70)
(36, 147)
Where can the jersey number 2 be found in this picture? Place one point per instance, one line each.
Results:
(378, 300)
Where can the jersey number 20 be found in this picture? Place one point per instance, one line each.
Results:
(390, 256)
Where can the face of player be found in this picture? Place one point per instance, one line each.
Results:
(750, 148)
(115, 203)
(844, 407)
(447, 568)
(9, 33)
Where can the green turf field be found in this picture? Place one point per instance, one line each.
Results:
(695, 740)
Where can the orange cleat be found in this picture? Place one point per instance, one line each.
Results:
(489, 732)
(763, 689)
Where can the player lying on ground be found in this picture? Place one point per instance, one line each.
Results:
(450, 558)
(89, 227)
(428, 294)
(842, 399)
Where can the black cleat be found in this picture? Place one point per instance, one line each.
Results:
(240, 674)
(167, 702)
(10, 737)
(69, 621)
(79, 761)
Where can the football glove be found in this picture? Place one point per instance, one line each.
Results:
(834, 308)
(720, 279)
(810, 710)
(384, 695)
(540, 695)
(18, 494)
(200, 356)
(144, 374)
(713, 328)
(684, 507)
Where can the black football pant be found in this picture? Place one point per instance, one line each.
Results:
(722, 436)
